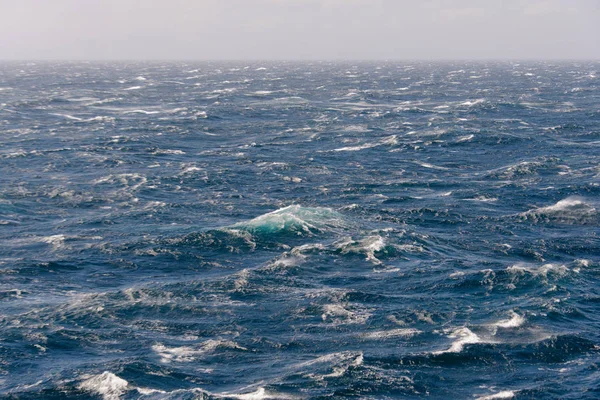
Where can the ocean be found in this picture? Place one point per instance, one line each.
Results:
(300, 230)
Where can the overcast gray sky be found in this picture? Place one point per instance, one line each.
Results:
(299, 29)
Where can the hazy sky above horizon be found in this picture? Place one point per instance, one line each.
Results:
(299, 29)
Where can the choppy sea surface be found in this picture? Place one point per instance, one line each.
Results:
(300, 230)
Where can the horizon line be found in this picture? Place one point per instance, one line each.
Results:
(333, 60)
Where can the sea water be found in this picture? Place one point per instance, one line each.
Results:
(318, 230)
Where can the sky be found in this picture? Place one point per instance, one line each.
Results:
(299, 29)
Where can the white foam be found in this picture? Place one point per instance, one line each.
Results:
(189, 353)
(357, 148)
(67, 116)
(141, 112)
(565, 205)
(541, 271)
(506, 394)
(293, 218)
(393, 333)
(431, 166)
(463, 337)
(57, 241)
(167, 151)
(340, 362)
(107, 384)
(514, 322)
(133, 88)
(388, 140)
(93, 119)
(466, 138)
(367, 246)
(260, 394)
(339, 315)
(470, 103)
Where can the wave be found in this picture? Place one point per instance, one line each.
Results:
(524, 168)
(189, 353)
(507, 331)
(293, 220)
(393, 333)
(505, 394)
(107, 385)
(571, 210)
(389, 140)
(100, 118)
(111, 387)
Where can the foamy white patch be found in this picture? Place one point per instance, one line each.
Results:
(57, 241)
(306, 248)
(189, 353)
(189, 170)
(132, 180)
(483, 199)
(293, 218)
(542, 271)
(367, 246)
(470, 103)
(389, 140)
(93, 119)
(107, 384)
(515, 321)
(242, 279)
(259, 394)
(67, 116)
(569, 210)
(338, 315)
(506, 394)
(133, 88)
(393, 333)
(357, 148)
(141, 112)
(149, 392)
(463, 337)
(431, 166)
(167, 151)
(339, 362)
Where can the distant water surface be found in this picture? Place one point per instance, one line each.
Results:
(300, 230)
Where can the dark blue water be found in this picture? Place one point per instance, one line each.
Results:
(300, 230)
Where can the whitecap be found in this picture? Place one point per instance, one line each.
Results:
(189, 353)
(107, 384)
(293, 219)
(57, 241)
(572, 210)
(393, 333)
(430, 166)
(367, 246)
(337, 314)
(515, 321)
(542, 271)
(259, 394)
(357, 148)
(463, 337)
(506, 394)
(470, 103)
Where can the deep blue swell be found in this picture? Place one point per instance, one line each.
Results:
(300, 230)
